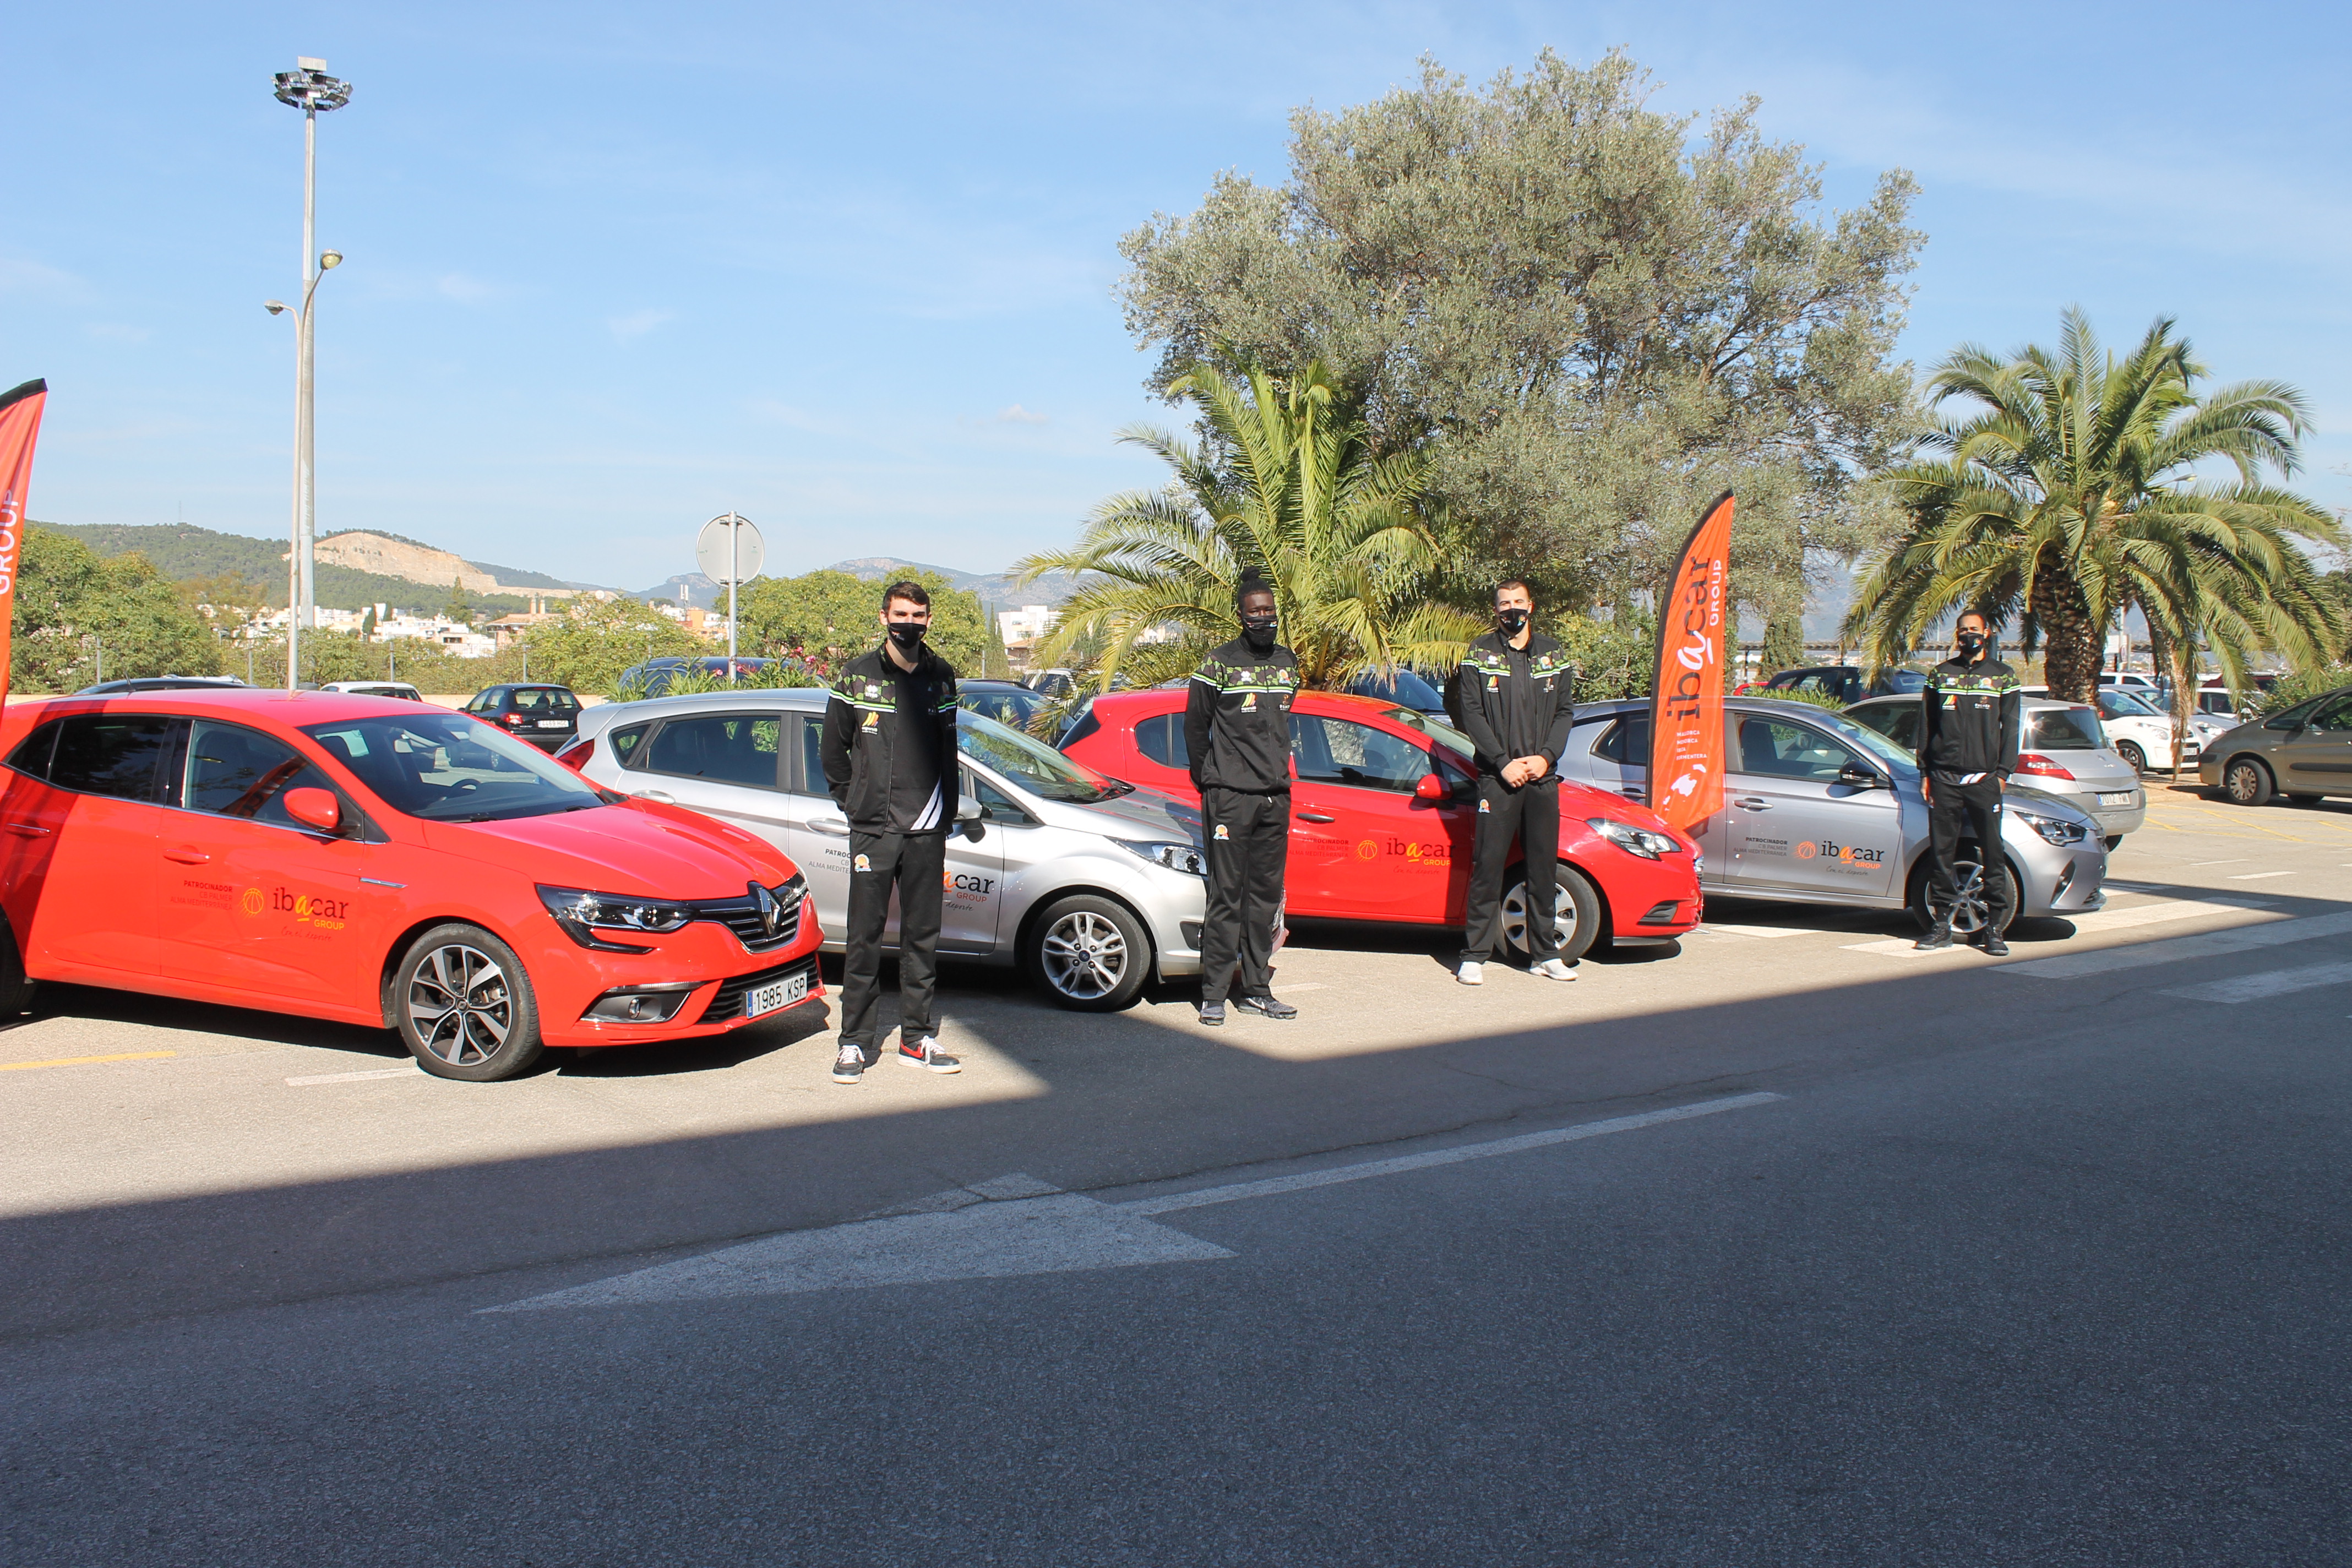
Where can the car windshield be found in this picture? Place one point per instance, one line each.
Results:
(1437, 730)
(446, 767)
(1033, 764)
(2063, 730)
(2115, 704)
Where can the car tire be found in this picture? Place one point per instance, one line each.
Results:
(463, 1005)
(2114, 842)
(16, 988)
(1969, 917)
(1576, 910)
(2129, 750)
(2248, 782)
(1089, 953)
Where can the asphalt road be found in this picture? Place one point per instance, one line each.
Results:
(1788, 1247)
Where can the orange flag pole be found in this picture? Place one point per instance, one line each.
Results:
(1686, 761)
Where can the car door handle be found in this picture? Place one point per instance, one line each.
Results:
(656, 795)
(187, 855)
(1752, 803)
(832, 827)
(1634, 791)
(1315, 817)
(29, 830)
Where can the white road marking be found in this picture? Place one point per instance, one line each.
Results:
(1767, 933)
(2115, 886)
(2068, 967)
(2269, 982)
(1054, 1234)
(353, 1076)
(2256, 876)
(2155, 913)
(1906, 947)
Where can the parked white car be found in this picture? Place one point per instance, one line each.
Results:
(1092, 886)
(2138, 730)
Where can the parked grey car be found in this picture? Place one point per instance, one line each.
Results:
(2304, 753)
(2064, 750)
(1091, 885)
(1819, 809)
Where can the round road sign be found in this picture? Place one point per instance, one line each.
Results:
(710, 552)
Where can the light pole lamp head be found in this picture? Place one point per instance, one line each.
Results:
(275, 307)
(310, 89)
(328, 260)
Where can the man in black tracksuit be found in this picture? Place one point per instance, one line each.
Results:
(890, 753)
(1237, 741)
(1967, 748)
(1513, 695)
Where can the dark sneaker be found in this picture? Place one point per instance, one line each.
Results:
(1941, 936)
(1994, 947)
(1268, 1005)
(924, 1052)
(1212, 1012)
(849, 1066)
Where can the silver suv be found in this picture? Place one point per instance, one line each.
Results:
(1092, 886)
(2063, 750)
(1817, 809)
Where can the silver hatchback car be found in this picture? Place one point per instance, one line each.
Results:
(1817, 809)
(1092, 886)
(2063, 750)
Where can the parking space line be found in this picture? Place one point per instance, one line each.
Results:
(84, 1061)
(2269, 982)
(2257, 876)
(2174, 949)
(1767, 933)
(353, 1077)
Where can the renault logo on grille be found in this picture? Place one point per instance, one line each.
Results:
(770, 913)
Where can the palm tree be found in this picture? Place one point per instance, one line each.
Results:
(2067, 496)
(1284, 482)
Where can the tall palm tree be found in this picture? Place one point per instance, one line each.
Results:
(2067, 496)
(1285, 483)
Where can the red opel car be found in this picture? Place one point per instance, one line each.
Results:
(1384, 810)
(380, 863)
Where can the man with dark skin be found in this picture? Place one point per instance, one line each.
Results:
(1969, 721)
(890, 753)
(1514, 695)
(1237, 742)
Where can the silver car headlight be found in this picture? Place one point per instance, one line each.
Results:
(1184, 857)
(1633, 840)
(2053, 830)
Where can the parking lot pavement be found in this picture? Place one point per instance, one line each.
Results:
(2035, 1255)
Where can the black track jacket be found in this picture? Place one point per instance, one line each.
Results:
(1514, 702)
(1968, 718)
(1237, 719)
(890, 737)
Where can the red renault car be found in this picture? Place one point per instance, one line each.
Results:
(1383, 812)
(380, 863)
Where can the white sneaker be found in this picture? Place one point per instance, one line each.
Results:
(1471, 975)
(1553, 968)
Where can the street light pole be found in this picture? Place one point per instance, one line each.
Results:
(310, 89)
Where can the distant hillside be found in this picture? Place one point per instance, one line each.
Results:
(185, 554)
(507, 576)
(995, 588)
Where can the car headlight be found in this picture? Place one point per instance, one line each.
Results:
(581, 913)
(2053, 830)
(1633, 840)
(1184, 857)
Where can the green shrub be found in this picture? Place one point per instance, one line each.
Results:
(2303, 685)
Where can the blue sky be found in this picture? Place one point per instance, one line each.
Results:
(849, 270)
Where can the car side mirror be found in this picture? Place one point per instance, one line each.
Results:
(316, 808)
(969, 819)
(1430, 787)
(1854, 777)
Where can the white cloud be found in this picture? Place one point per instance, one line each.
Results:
(1016, 415)
(638, 324)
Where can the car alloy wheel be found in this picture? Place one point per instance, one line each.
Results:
(2130, 753)
(1971, 911)
(1576, 914)
(2248, 782)
(1090, 953)
(465, 1007)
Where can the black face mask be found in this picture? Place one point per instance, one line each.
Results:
(1970, 642)
(908, 635)
(1259, 631)
(1512, 622)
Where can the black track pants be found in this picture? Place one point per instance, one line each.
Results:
(1249, 841)
(1531, 814)
(1971, 812)
(914, 863)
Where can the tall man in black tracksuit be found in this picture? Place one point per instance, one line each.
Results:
(890, 753)
(1237, 742)
(1513, 695)
(1967, 748)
